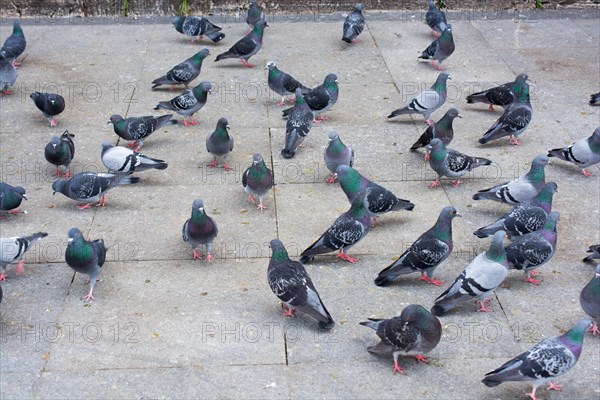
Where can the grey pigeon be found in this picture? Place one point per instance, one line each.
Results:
(435, 18)
(321, 98)
(282, 83)
(589, 298)
(298, 125)
(85, 257)
(255, 13)
(595, 250)
(516, 116)
(88, 187)
(379, 199)
(247, 46)
(414, 333)
(50, 104)
(440, 49)
(60, 151)
(595, 99)
(427, 101)
(121, 159)
(196, 27)
(451, 163)
(11, 198)
(354, 24)
(220, 144)
(336, 154)
(425, 254)
(257, 180)
(139, 129)
(291, 284)
(525, 217)
(188, 103)
(520, 190)
(442, 130)
(546, 360)
(347, 230)
(13, 248)
(481, 277)
(8, 76)
(14, 45)
(200, 229)
(183, 73)
(503, 95)
(534, 249)
(583, 153)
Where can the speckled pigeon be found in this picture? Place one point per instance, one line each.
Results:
(139, 129)
(196, 26)
(121, 159)
(583, 153)
(282, 83)
(595, 99)
(436, 19)
(257, 180)
(291, 284)
(502, 95)
(14, 45)
(255, 13)
(13, 248)
(589, 298)
(247, 46)
(85, 257)
(220, 143)
(188, 103)
(525, 217)
(321, 98)
(11, 198)
(477, 282)
(546, 360)
(425, 254)
(298, 125)
(520, 190)
(199, 230)
(451, 163)
(595, 250)
(336, 154)
(50, 104)
(440, 49)
(183, 73)
(354, 24)
(60, 151)
(442, 130)
(8, 76)
(414, 333)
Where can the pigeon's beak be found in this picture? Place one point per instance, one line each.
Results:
(25, 197)
(227, 127)
(70, 240)
(53, 193)
(458, 215)
(200, 208)
(335, 176)
(108, 123)
(459, 116)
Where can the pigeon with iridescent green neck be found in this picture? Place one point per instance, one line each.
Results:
(183, 73)
(440, 49)
(425, 254)
(336, 154)
(60, 152)
(11, 198)
(477, 282)
(321, 98)
(247, 46)
(50, 104)
(525, 217)
(85, 257)
(200, 229)
(530, 251)
(442, 130)
(595, 250)
(257, 180)
(196, 27)
(298, 125)
(220, 144)
(520, 190)
(13, 248)
(546, 360)
(436, 19)
(282, 83)
(14, 45)
(502, 95)
(354, 24)
(188, 103)
(451, 163)
(138, 129)
(583, 153)
(255, 13)
(589, 298)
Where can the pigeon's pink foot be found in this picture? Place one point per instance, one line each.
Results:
(84, 207)
(132, 145)
(375, 221)
(534, 273)
(346, 257)
(292, 99)
(250, 198)
(102, 202)
(16, 63)
(2, 276)
(88, 297)
(197, 256)
(288, 312)
(586, 173)
(190, 122)
(57, 172)
(316, 121)
(427, 156)
(247, 64)
(227, 167)
(555, 386)
(52, 121)
(434, 184)
(261, 206)
(281, 103)
(6, 92)
(532, 280)
(212, 164)
(430, 280)
(429, 122)
(435, 34)
(456, 183)
(67, 173)
(209, 257)
(398, 369)
(199, 38)
(331, 180)
(20, 267)
(594, 329)
(16, 211)
(437, 66)
(302, 145)
(421, 358)
(532, 394)
(322, 118)
(513, 140)
(491, 107)
(483, 308)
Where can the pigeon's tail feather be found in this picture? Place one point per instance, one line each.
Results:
(129, 180)
(327, 324)
(595, 99)
(161, 165)
(292, 139)
(417, 144)
(477, 97)
(403, 205)
(165, 120)
(164, 105)
(285, 113)
(490, 381)
(215, 35)
(348, 35)
(441, 308)
(372, 323)
(36, 236)
(380, 348)
(400, 111)
(479, 161)
(163, 80)
(484, 195)
(385, 279)
(562, 153)
(486, 231)
(287, 153)
(306, 259)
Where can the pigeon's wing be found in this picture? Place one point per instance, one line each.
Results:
(318, 98)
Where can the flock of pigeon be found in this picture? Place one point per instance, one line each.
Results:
(530, 224)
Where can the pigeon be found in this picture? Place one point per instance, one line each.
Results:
(516, 116)
(321, 98)
(425, 254)
(583, 153)
(440, 49)
(523, 218)
(200, 229)
(595, 250)
(50, 104)
(354, 24)
(257, 180)
(188, 103)
(14, 45)
(428, 101)
(451, 163)
(336, 154)
(139, 129)
(595, 99)
(589, 298)
(220, 144)
(85, 257)
(547, 359)
(379, 199)
(481, 277)
(13, 248)
(60, 151)
(121, 159)
(414, 333)
(247, 46)
(282, 83)
(183, 73)
(503, 95)
(436, 19)
(8, 76)
(88, 187)
(255, 13)
(291, 284)
(532, 250)
(11, 198)
(442, 130)
(195, 26)
(347, 230)
(520, 190)
(299, 123)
